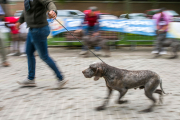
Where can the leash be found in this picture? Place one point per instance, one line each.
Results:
(80, 41)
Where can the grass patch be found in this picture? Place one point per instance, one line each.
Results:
(123, 37)
(136, 37)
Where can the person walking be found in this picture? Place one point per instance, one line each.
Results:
(5, 63)
(162, 22)
(91, 20)
(35, 15)
(10, 23)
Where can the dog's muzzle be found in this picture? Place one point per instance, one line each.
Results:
(87, 73)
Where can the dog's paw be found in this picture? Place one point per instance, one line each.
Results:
(107, 56)
(160, 100)
(85, 56)
(121, 101)
(100, 108)
(146, 110)
(174, 57)
(106, 98)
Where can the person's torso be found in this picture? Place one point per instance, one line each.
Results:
(162, 20)
(11, 23)
(91, 19)
(36, 15)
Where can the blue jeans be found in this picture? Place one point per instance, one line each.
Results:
(92, 29)
(37, 40)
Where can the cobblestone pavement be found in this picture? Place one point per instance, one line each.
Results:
(80, 96)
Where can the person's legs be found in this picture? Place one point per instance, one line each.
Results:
(84, 47)
(14, 45)
(158, 43)
(161, 38)
(39, 37)
(16, 38)
(95, 29)
(30, 49)
(23, 49)
(87, 29)
(3, 54)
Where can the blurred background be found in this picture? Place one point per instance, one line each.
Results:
(109, 9)
(114, 7)
(81, 96)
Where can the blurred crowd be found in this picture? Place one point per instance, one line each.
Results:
(17, 37)
(12, 36)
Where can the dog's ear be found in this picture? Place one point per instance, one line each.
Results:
(93, 67)
(98, 74)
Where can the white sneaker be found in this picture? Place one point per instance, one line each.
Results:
(26, 82)
(11, 54)
(23, 55)
(83, 52)
(155, 52)
(163, 53)
(98, 53)
(60, 84)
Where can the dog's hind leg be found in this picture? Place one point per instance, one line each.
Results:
(158, 91)
(150, 87)
(174, 50)
(150, 96)
(105, 48)
(122, 93)
(103, 106)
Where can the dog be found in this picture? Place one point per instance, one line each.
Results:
(174, 44)
(122, 80)
(92, 41)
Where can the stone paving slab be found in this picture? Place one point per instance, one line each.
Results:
(80, 97)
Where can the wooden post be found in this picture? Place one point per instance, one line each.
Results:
(128, 6)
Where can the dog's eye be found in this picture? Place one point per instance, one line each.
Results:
(90, 67)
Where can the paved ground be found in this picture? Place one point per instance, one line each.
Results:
(80, 96)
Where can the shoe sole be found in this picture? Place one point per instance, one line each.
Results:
(63, 84)
(83, 53)
(5, 65)
(26, 85)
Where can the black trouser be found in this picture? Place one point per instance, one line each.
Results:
(159, 41)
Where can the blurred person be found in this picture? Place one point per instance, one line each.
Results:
(23, 31)
(2, 44)
(162, 22)
(91, 19)
(15, 36)
(35, 16)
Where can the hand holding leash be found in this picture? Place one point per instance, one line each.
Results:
(52, 14)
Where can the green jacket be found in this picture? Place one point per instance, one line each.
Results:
(36, 16)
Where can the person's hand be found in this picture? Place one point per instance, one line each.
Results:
(17, 25)
(52, 14)
(96, 34)
(78, 31)
(160, 31)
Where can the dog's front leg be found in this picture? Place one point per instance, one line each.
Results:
(102, 107)
(122, 93)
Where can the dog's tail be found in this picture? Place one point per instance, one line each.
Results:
(161, 86)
